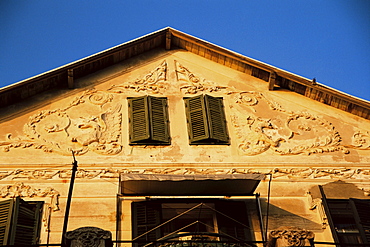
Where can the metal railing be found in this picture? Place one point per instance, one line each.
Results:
(195, 243)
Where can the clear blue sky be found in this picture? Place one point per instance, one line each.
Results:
(325, 39)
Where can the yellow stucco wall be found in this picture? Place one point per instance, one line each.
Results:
(300, 141)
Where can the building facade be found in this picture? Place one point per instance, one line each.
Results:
(177, 141)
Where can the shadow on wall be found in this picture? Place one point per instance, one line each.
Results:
(291, 213)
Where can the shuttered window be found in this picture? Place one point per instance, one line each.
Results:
(361, 209)
(206, 120)
(19, 222)
(6, 209)
(148, 121)
(349, 220)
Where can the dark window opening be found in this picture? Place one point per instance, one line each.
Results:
(180, 220)
(350, 220)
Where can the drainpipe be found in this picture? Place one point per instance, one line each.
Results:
(66, 216)
(268, 207)
(118, 213)
(259, 211)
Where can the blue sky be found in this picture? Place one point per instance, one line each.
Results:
(328, 40)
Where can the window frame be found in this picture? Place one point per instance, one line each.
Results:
(148, 121)
(206, 120)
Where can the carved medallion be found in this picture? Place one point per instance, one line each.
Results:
(290, 236)
(89, 236)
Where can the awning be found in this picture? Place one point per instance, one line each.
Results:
(189, 185)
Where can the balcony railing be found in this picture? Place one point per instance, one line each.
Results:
(199, 239)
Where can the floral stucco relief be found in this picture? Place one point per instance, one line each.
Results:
(92, 122)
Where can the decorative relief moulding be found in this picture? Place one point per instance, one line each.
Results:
(92, 122)
(257, 135)
(317, 204)
(73, 128)
(153, 82)
(361, 140)
(283, 133)
(23, 191)
(277, 173)
(66, 129)
(19, 189)
(88, 236)
(194, 83)
(290, 236)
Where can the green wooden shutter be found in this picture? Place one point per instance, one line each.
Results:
(196, 119)
(158, 119)
(206, 120)
(138, 119)
(362, 217)
(216, 118)
(145, 216)
(6, 209)
(25, 223)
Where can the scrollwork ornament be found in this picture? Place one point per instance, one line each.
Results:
(328, 141)
(361, 140)
(155, 76)
(277, 173)
(21, 190)
(283, 132)
(246, 98)
(299, 133)
(251, 134)
(34, 174)
(57, 131)
(74, 128)
(100, 98)
(316, 203)
(153, 82)
(88, 236)
(290, 236)
(194, 83)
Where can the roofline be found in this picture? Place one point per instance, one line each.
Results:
(263, 65)
(169, 38)
(74, 63)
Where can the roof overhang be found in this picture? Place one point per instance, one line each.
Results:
(168, 39)
(189, 185)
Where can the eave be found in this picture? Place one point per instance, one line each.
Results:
(169, 38)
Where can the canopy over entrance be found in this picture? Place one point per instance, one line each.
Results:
(189, 185)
